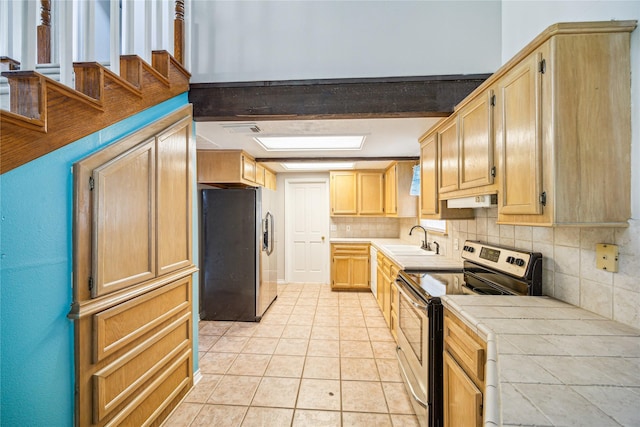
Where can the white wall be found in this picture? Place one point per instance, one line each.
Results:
(274, 40)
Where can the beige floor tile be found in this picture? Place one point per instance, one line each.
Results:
(319, 394)
(228, 344)
(234, 390)
(327, 310)
(242, 329)
(214, 328)
(404, 420)
(389, 370)
(325, 333)
(355, 419)
(269, 331)
(307, 300)
(216, 363)
(358, 369)
(363, 396)
(322, 368)
(326, 320)
(397, 398)
(353, 334)
(274, 319)
(324, 348)
(205, 342)
(285, 366)
(260, 345)
(296, 331)
(292, 346)
(307, 418)
(380, 334)
(201, 391)
(281, 309)
(352, 321)
(376, 322)
(184, 415)
(356, 349)
(264, 417)
(384, 350)
(249, 364)
(306, 319)
(372, 313)
(277, 392)
(220, 415)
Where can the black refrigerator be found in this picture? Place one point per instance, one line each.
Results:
(238, 259)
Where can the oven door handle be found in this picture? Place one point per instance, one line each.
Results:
(400, 287)
(406, 378)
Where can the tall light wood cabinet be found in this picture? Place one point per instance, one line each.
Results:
(391, 190)
(356, 193)
(448, 155)
(343, 189)
(476, 142)
(371, 193)
(132, 284)
(397, 184)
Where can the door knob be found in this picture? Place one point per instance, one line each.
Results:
(323, 238)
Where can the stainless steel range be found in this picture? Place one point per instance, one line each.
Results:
(487, 270)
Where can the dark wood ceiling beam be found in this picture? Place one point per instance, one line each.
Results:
(424, 96)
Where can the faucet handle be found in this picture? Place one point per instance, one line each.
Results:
(437, 247)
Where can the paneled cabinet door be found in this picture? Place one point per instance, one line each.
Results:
(519, 98)
(174, 198)
(429, 176)
(123, 236)
(462, 399)
(343, 193)
(476, 142)
(248, 168)
(391, 190)
(360, 271)
(341, 274)
(371, 193)
(448, 156)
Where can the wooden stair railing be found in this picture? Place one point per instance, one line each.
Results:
(8, 64)
(46, 115)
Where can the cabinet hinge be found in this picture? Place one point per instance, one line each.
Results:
(91, 183)
(90, 283)
(543, 198)
(493, 171)
(542, 66)
(493, 101)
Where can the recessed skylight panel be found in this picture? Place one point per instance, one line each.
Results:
(311, 142)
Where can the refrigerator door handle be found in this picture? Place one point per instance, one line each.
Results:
(268, 237)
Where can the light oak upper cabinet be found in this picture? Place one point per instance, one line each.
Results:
(397, 184)
(476, 146)
(343, 188)
(371, 193)
(431, 206)
(354, 193)
(448, 155)
(564, 127)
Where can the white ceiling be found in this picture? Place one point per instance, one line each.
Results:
(393, 137)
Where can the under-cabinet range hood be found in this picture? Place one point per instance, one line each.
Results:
(486, 201)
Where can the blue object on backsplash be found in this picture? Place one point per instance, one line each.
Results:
(415, 182)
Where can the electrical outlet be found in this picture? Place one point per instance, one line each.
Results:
(607, 257)
(455, 244)
(334, 227)
(348, 228)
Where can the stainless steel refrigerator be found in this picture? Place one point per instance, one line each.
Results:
(238, 265)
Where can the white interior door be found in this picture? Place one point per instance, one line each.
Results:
(307, 231)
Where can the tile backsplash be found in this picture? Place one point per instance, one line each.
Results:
(365, 227)
(569, 263)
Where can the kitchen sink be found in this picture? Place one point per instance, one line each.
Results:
(407, 250)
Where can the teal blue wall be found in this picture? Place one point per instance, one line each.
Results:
(36, 338)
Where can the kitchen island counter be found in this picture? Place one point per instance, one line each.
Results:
(551, 363)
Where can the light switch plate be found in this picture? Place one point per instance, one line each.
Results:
(607, 257)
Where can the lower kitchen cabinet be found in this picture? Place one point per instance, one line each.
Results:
(350, 266)
(386, 278)
(464, 361)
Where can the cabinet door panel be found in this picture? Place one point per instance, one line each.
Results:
(340, 265)
(476, 142)
(429, 176)
(343, 193)
(370, 193)
(448, 162)
(391, 190)
(462, 399)
(123, 235)
(521, 139)
(360, 271)
(174, 199)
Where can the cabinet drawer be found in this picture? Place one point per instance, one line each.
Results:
(350, 249)
(466, 347)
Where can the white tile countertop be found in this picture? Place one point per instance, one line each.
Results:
(553, 364)
(426, 261)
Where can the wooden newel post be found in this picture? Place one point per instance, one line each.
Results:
(44, 33)
(178, 32)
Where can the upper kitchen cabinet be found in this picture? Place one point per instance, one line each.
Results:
(397, 184)
(564, 127)
(355, 193)
(432, 206)
(228, 168)
(448, 155)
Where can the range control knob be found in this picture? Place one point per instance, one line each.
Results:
(519, 262)
(470, 249)
(510, 260)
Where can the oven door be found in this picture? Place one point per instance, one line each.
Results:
(413, 348)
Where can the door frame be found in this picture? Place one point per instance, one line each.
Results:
(287, 229)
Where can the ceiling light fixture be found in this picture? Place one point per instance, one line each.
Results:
(311, 142)
(317, 166)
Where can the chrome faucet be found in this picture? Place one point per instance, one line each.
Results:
(425, 242)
